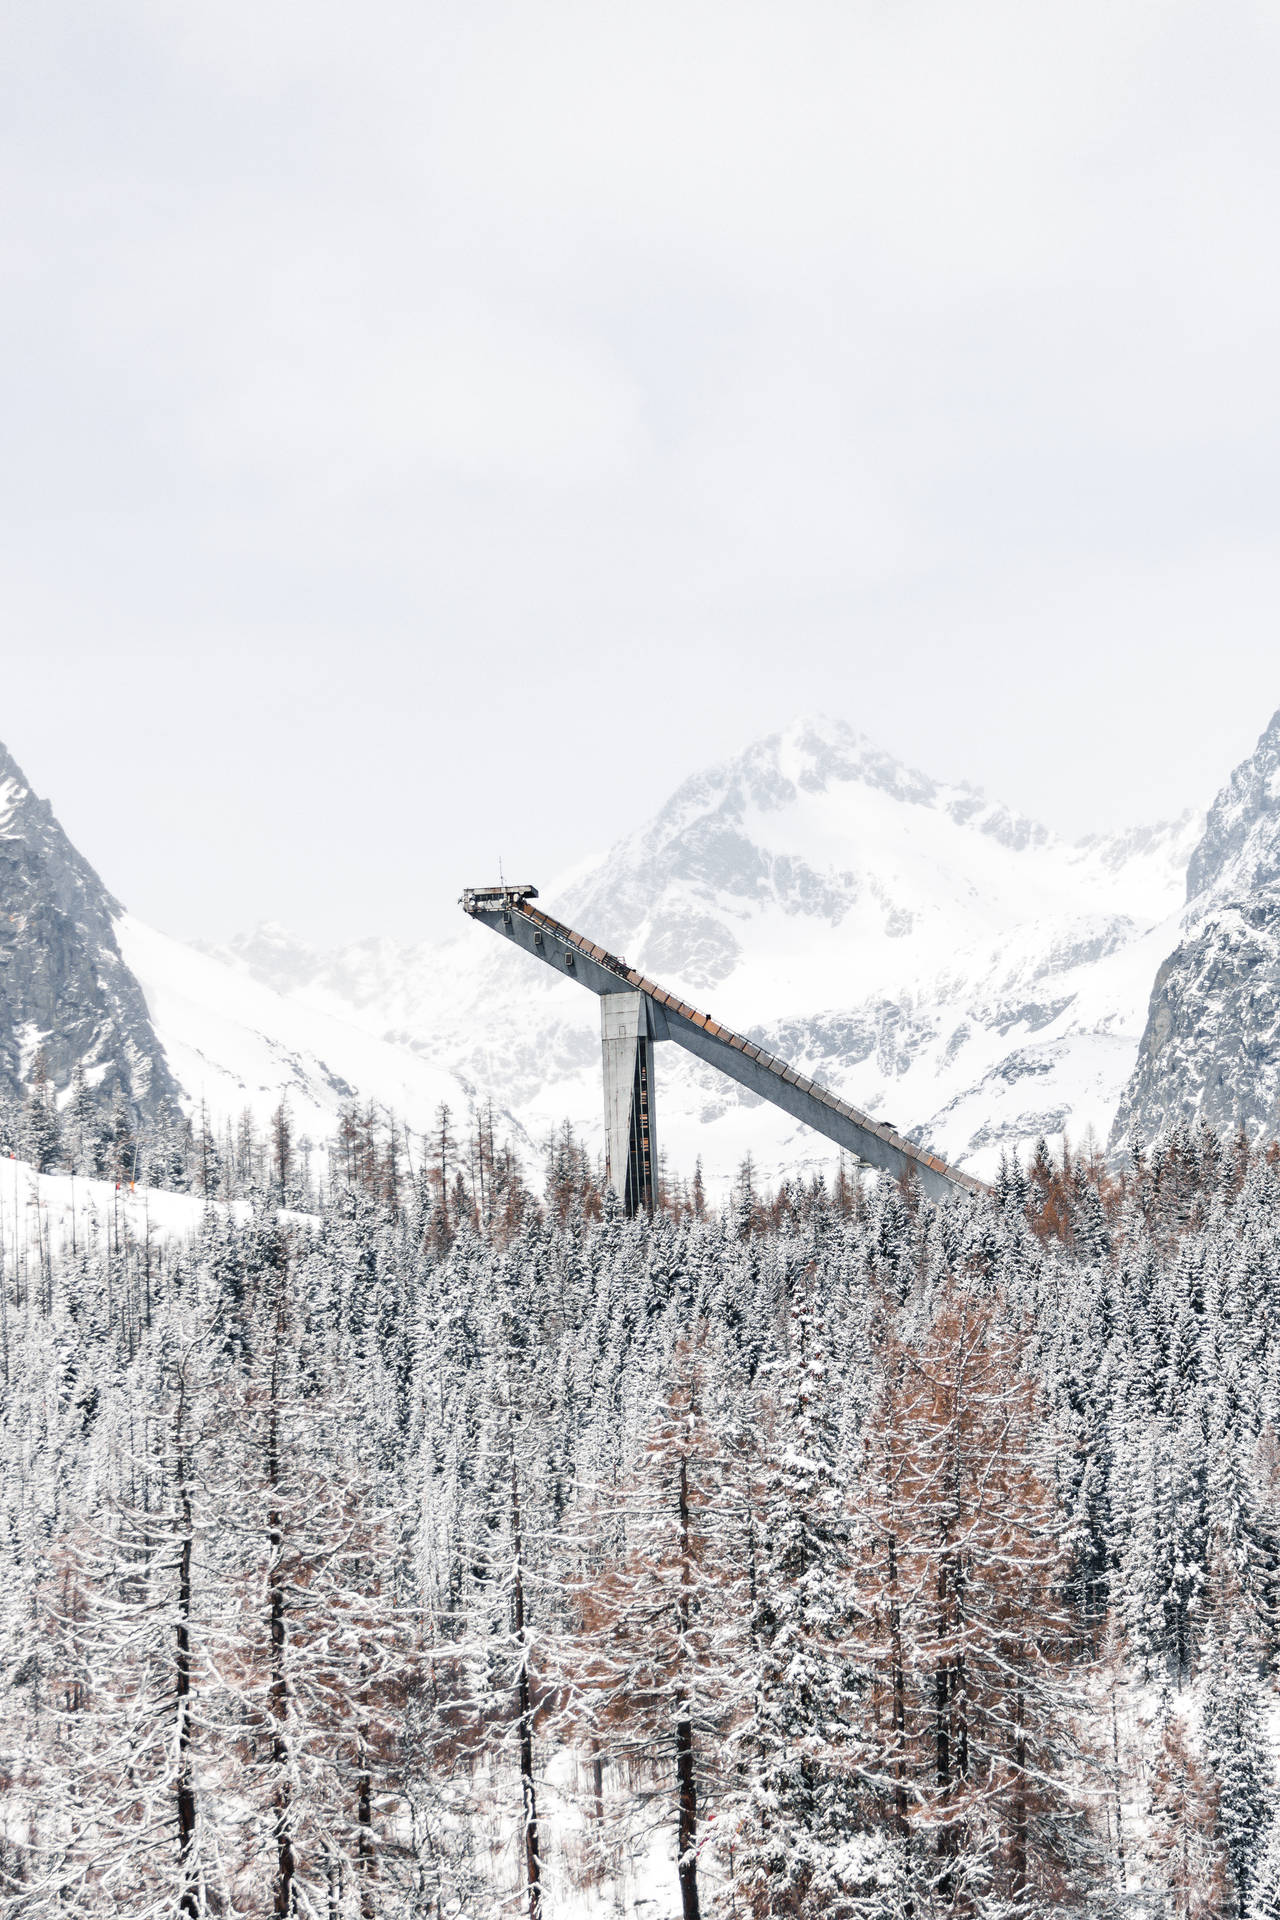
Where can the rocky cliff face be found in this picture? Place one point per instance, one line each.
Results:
(64, 986)
(1211, 1044)
(1240, 850)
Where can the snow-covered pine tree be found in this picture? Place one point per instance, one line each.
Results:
(1238, 1753)
(133, 1632)
(663, 1620)
(325, 1657)
(39, 1128)
(801, 1749)
(1186, 1858)
(80, 1126)
(1264, 1902)
(969, 1643)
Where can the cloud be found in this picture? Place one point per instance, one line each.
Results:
(458, 388)
(773, 347)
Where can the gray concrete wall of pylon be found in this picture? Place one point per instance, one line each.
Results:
(631, 1152)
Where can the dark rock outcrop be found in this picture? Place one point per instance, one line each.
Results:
(1211, 1046)
(1211, 1049)
(65, 990)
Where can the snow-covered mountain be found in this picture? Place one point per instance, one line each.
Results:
(1211, 1043)
(66, 992)
(943, 962)
(234, 1042)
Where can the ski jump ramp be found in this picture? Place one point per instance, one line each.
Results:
(636, 1013)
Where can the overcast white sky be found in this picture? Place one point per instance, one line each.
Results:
(432, 430)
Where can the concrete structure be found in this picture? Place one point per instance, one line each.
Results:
(630, 1149)
(635, 1013)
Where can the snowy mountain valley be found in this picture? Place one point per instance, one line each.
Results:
(943, 963)
(939, 961)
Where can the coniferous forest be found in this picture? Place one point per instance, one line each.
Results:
(431, 1541)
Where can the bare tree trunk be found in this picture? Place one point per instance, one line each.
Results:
(366, 1857)
(942, 1734)
(364, 1826)
(688, 1794)
(960, 1695)
(1018, 1886)
(286, 1865)
(686, 1782)
(1115, 1755)
(899, 1717)
(524, 1711)
(189, 1900)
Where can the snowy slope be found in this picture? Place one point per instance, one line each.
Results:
(63, 1214)
(945, 963)
(234, 1043)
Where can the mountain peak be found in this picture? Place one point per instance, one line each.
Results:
(10, 770)
(21, 808)
(1240, 849)
(816, 754)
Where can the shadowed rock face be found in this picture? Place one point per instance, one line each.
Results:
(1241, 846)
(1211, 1046)
(64, 986)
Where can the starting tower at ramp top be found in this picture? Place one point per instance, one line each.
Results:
(635, 1013)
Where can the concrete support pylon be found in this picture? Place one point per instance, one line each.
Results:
(628, 1099)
